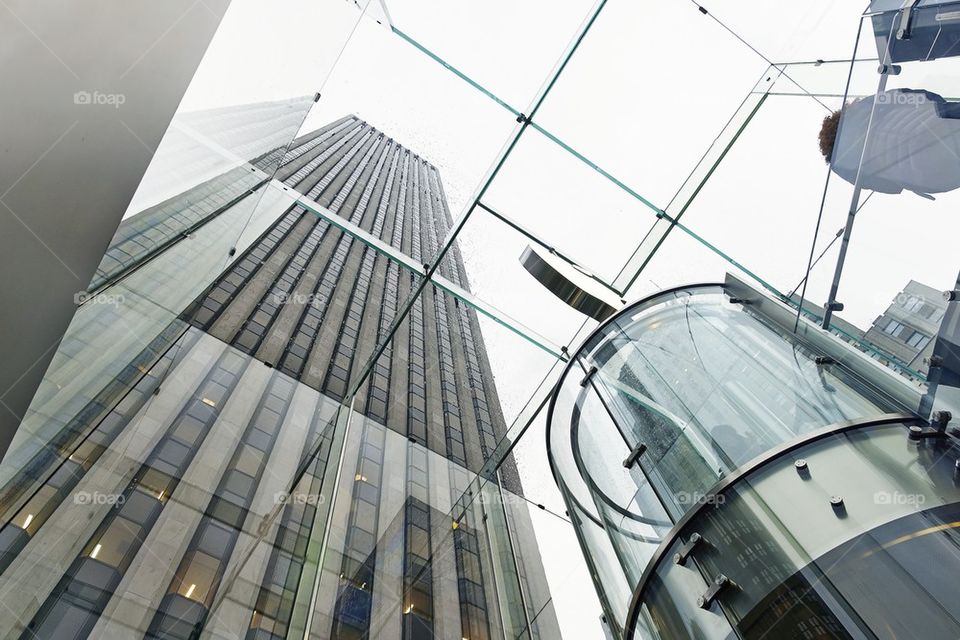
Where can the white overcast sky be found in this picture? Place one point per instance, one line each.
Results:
(648, 91)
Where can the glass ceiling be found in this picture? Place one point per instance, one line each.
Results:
(652, 144)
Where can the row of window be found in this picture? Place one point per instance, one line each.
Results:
(79, 598)
(301, 342)
(454, 270)
(417, 390)
(473, 615)
(379, 379)
(278, 588)
(148, 232)
(200, 571)
(453, 427)
(351, 615)
(916, 339)
(15, 535)
(346, 344)
(228, 286)
(418, 553)
(917, 305)
(254, 330)
(380, 375)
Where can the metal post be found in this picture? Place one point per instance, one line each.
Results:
(832, 303)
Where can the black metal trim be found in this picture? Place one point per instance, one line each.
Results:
(709, 498)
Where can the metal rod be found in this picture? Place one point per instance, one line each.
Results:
(855, 199)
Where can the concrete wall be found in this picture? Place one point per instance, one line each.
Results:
(71, 161)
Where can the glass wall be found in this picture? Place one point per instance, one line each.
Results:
(853, 544)
(518, 125)
(678, 395)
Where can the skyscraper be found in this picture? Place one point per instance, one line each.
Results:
(207, 488)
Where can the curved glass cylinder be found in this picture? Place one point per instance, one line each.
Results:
(673, 396)
(858, 543)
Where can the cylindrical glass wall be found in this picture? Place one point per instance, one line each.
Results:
(859, 542)
(676, 404)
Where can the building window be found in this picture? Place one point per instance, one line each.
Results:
(197, 577)
(918, 340)
(117, 541)
(894, 328)
(912, 303)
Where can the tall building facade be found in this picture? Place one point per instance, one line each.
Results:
(196, 480)
(909, 326)
(903, 336)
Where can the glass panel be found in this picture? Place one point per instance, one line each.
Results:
(197, 207)
(419, 104)
(901, 170)
(807, 31)
(648, 125)
(568, 205)
(413, 564)
(867, 506)
(461, 37)
(175, 512)
(791, 164)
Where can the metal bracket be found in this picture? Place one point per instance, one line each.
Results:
(825, 360)
(719, 584)
(634, 455)
(906, 21)
(940, 419)
(587, 377)
(681, 556)
(917, 433)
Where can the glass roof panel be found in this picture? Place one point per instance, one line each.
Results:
(641, 107)
(506, 48)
